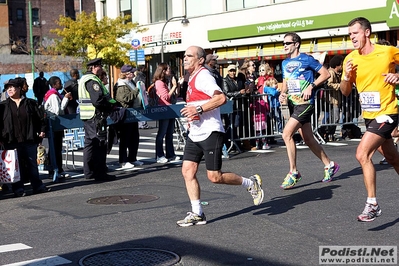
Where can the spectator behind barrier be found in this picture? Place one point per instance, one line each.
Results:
(55, 104)
(165, 126)
(127, 94)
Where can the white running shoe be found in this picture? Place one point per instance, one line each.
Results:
(162, 159)
(256, 189)
(192, 219)
(126, 165)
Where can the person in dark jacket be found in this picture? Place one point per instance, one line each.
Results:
(40, 87)
(232, 90)
(95, 104)
(23, 126)
(128, 96)
(72, 87)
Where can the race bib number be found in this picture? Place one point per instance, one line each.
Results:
(294, 87)
(370, 101)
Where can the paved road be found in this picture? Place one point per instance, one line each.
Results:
(62, 228)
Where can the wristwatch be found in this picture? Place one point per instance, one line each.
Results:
(313, 85)
(199, 109)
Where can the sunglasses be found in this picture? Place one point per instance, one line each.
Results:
(287, 43)
(261, 70)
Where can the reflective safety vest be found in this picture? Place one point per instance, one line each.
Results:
(86, 108)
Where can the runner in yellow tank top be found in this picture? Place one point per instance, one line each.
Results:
(371, 68)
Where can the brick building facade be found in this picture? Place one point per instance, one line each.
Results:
(15, 32)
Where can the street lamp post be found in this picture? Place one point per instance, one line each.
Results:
(184, 21)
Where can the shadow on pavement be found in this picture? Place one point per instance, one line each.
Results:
(285, 203)
(384, 226)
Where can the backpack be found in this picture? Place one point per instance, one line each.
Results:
(152, 95)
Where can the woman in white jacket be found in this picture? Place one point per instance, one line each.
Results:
(55, 104)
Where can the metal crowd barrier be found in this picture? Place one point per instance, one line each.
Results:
(333, 110)
(245, 122)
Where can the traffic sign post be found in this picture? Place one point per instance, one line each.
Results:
(135, 44)
(137, 55)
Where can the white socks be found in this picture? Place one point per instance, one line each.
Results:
(196, 207)
(246, 182)
(372, 201)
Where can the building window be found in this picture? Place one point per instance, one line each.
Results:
(240, 4)
(104, 7)
(136, 13)
(125, 5)
(35, 17)
(3, 1)
(20, 14)
(126, 9)
(127, 13)
(161, 10)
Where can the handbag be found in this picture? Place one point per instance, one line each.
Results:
(9, 166)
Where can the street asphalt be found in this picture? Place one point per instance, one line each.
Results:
(286, 229)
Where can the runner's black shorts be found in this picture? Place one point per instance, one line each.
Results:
(211, 149)
(302, 112)
(382, 129)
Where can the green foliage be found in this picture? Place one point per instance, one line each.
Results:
(88, 38)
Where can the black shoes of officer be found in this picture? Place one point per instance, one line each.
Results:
(105, 178)
(19, 192)
(41, 189)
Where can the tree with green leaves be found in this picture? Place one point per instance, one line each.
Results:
(87, 38)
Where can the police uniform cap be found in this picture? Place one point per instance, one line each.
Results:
(95, 62)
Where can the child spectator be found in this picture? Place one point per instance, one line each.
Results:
(273, 92)
(260, 110)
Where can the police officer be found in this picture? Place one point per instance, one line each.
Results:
(95, 104)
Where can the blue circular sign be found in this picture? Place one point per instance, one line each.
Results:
(135, 43)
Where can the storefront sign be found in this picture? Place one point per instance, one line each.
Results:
(170, 38)
(390, 14)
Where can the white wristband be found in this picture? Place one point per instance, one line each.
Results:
(346, 78)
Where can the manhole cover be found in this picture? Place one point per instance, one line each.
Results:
(128, 257)
(122, 199)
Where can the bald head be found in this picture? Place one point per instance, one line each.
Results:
(194, 58)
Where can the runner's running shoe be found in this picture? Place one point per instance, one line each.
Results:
(192, 219)
(256, 189)
(290, 180)
(329, 172)
(369, 213)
